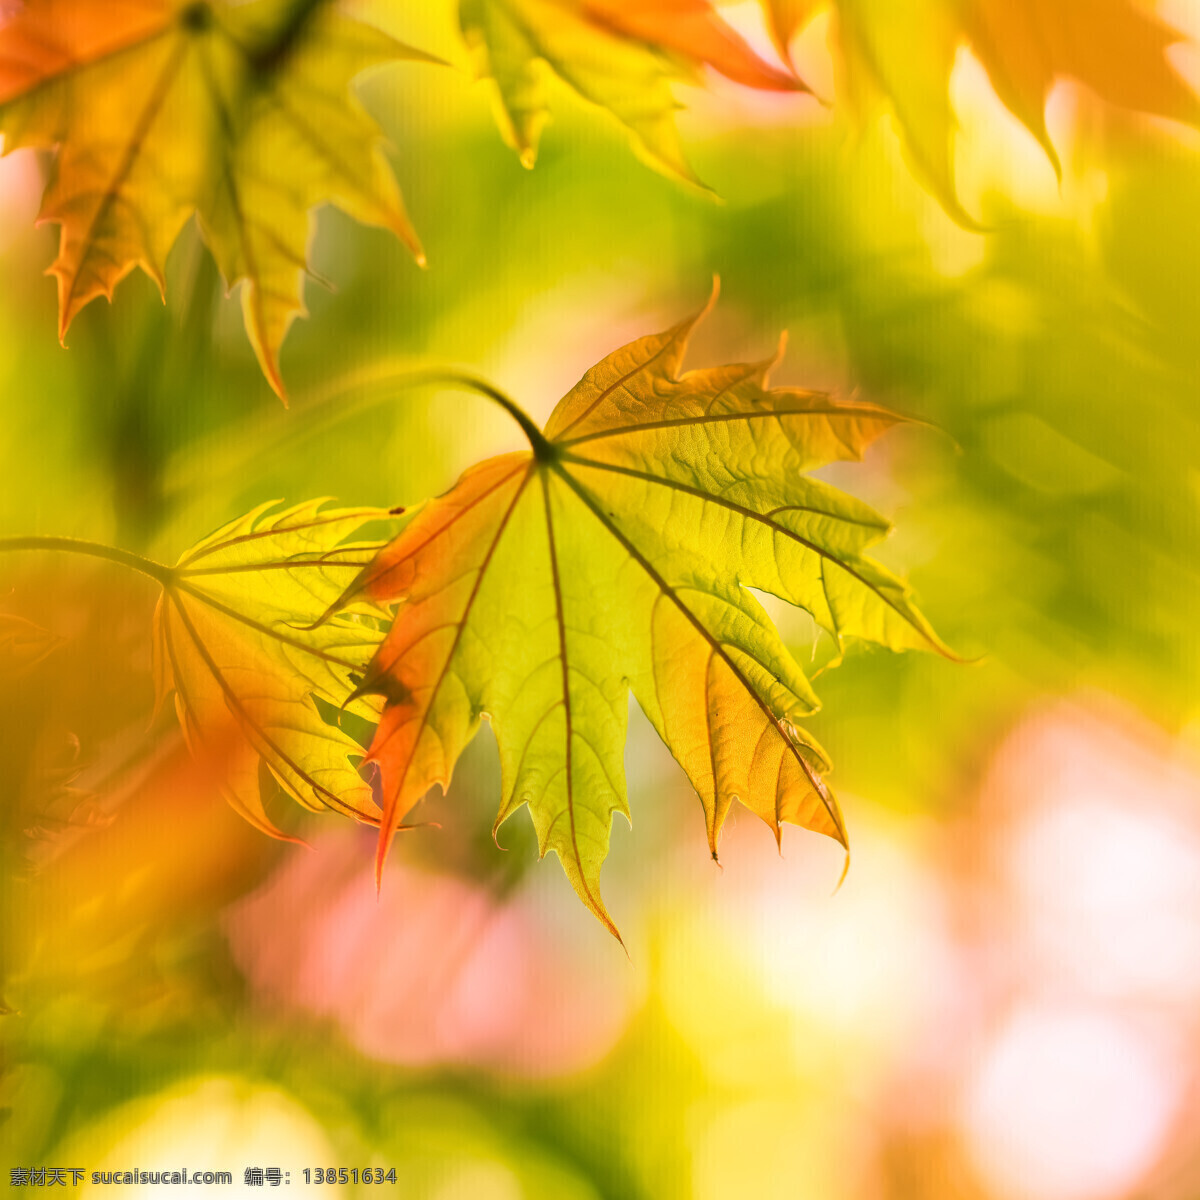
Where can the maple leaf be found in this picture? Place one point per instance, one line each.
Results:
(233, 640)
(905, 53)
(240, 113)
(617, 555)
(620, 56)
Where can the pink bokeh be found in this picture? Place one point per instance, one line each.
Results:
(431, 970)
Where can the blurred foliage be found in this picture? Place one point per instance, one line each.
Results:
(1046, 515)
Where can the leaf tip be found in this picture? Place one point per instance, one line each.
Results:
(496, 831)
(269, 364)
(334, 608)
(278, 835)
(382, 847)
(780, 351)
(960, 660)
(64, 322)
(607, 922)
(845, 872)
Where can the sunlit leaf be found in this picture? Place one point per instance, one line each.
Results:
(239, 113)
(620, 56)
(617, 555)
(231, 641)
(905, 53)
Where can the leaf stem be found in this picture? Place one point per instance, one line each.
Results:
(542, 448)
(126, 558)
(346, 398)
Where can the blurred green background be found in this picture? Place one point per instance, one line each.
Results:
(1003, 999)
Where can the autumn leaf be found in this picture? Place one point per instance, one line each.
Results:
(239, 113)
(232, 640)
(905, 54)
(617, 554)
(620, 56)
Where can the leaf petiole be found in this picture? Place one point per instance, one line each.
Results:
(144, 566)
(542, 448)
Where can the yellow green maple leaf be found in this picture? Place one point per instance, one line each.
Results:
(234, 640)
(617, 555)
(240, 113)
(622, 57)
(904, 53)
